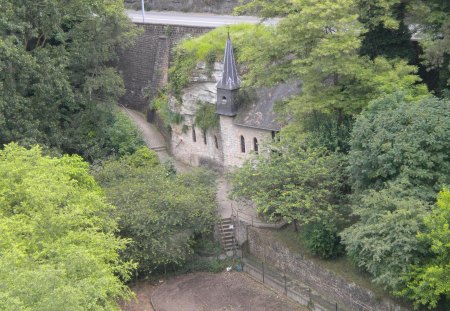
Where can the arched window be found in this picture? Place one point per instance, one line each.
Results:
(224, 100)
(204, 137)
(242, 144)
(216, 142)
(194, 137)
(255, 144)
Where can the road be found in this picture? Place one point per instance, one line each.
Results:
(192, 19)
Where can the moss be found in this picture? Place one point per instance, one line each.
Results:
(206, 117)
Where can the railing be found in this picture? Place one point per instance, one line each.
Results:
(292, 288)
(253, 221)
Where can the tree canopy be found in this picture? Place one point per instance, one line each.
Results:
(160, 211)
(58, 249)
(56, 71)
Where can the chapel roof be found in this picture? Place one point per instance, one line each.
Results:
(259, 111)
(230, 78)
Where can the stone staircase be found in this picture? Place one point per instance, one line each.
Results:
(226, 230)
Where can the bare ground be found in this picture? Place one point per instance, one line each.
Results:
(210, 292)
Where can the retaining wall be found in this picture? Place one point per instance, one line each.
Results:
(144, 66)
(324, 282)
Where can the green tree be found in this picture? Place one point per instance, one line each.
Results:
(158, 210)
(383, 241)
(58, 249)
(297, 184)
(56, 68)
(427, 283)
(318, 43)
(395, 139)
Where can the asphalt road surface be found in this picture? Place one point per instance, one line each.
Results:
(192, 19)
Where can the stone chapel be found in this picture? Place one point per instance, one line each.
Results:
(244, 124)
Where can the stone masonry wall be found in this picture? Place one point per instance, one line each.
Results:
(144, 66)
(324, 282)
(210, 6)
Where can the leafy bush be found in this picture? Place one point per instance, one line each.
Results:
(160, 211)
(428, 281)
(322, 239)
(396, 139)
(58, 248)
(125, 137)
(206, 117)
(384, 241)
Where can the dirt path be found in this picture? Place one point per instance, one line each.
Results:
(226, 291)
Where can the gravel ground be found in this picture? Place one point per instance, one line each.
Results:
(218, 292)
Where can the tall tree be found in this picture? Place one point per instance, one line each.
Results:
(58, 249)
(55, 67)
(158, 210)
(318, 43)
(427, 283)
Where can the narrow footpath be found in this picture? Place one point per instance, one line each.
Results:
(155, 141)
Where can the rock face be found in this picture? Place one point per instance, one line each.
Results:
(210, 6)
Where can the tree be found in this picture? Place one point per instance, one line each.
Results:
(432, 22)
(297, 184)
(318, 43)
(394, 139)
(56, 69)
(58, 249)
(427, 282)
(384, 240)
(158, 210)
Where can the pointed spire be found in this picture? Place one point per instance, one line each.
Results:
(230, 79)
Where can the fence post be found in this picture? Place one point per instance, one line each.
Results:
(285, 285)
(309, 294)
(263, 270)
(252, 221)
(336, 307)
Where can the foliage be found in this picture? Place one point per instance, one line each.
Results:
(58, 247)
(296, 184)
(432, 20)
(56, 69)
(158, 210)
(427, 282)
(384, 240)
(125, 137)
(320, 47)
(161, 104)
(389, 37)
(100, 132)
(322, 239)
(395, 139)
(206, 117)
(208, 48)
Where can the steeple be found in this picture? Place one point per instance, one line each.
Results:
(228, 86)
(230, 79)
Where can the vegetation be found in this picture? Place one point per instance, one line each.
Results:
(207, 48)
(57, 85)
(206, 117)
(58, 245)
(364, 134)
(160, 211)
